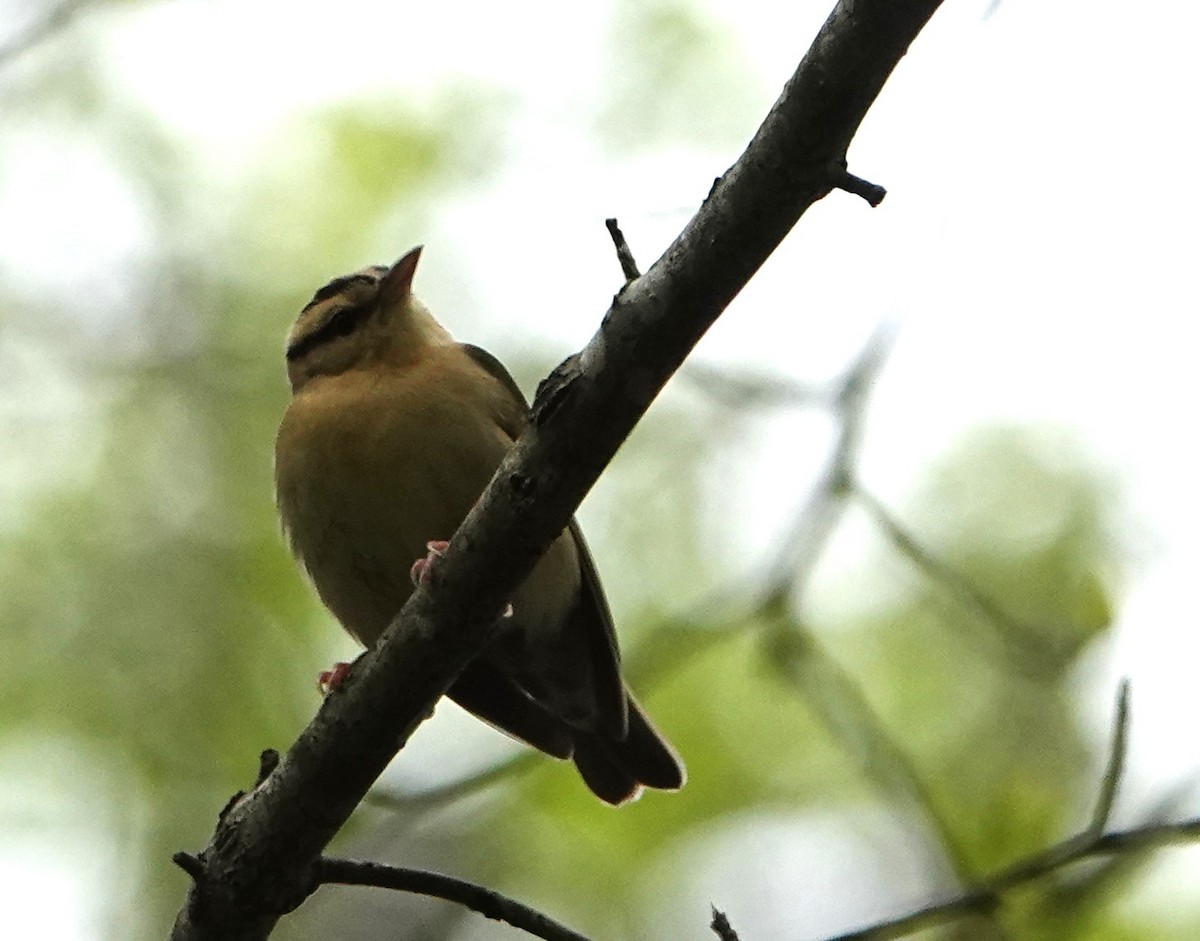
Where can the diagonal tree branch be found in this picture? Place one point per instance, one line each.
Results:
(261, 861)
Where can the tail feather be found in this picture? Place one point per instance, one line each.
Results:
(615, 771)
(602, 773)
(647, 754)
(496, 698)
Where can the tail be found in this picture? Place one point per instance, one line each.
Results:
(616, 770)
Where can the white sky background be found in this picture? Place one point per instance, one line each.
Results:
(1037, 245)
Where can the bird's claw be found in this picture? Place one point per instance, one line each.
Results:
(419, 573)
(329, 680)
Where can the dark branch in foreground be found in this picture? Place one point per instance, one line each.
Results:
(260, 863)
(475, 897)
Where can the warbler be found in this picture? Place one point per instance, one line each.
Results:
(391, 434)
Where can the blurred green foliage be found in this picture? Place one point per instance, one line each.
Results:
(674, 77)
(155, 629)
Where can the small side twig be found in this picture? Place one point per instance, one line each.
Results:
(1066, 900)
(1116, 763)
(843, 179)
(190, 864)
(268, 761)
(628, 266)
(475, 897)
(721, 926)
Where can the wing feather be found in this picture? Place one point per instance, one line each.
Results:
(593, 610)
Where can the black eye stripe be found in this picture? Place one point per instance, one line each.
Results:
(342, 322)
(337, 285)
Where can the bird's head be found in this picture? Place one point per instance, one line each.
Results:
(359, 319)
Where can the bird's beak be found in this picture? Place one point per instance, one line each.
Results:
(396, 285)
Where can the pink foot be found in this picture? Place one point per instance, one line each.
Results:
(329, 680)
(419, 573)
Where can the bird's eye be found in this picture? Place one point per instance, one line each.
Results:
(344, 321)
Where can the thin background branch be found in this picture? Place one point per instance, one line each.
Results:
(987, 896)
(1026, 642)
(475, 897)
(741, 390)
(58, 17)
(1118, 747)
(819, 516)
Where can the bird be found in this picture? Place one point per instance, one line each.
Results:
(391, 434)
